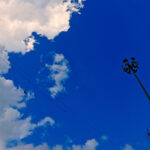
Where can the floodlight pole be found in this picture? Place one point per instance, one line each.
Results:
(132, 68)
(142, 86)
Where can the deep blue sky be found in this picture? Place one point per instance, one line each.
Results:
(100, 99)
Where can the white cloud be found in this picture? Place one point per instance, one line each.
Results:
(19, 18)
(57, 147)
(4, 63)
(30, 43)
(29, 95)
(10, 95)
(59, 73)
(46, 120)
(12, 126)
(128, 147)
(89, 145)
(30, 147)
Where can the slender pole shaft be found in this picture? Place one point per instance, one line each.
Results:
(142, 86)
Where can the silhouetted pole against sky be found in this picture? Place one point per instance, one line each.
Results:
(131, 66)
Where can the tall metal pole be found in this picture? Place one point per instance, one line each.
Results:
(142, 86)
(131, 67)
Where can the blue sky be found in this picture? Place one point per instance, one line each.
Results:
(100, 102)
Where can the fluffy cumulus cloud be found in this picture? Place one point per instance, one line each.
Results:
(12, 126)
(10, 95)
(19, 18)
(59, 73)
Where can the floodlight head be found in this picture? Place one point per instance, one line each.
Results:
(130, 66)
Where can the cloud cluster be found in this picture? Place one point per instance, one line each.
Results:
(19, 18)
(59, 73)
(89, 145)
(12, 126)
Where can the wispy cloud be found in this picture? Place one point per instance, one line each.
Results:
(89, 145)
(128, 147)
(29, 95)
(59, 71)
(104, 138)
(30, 147)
